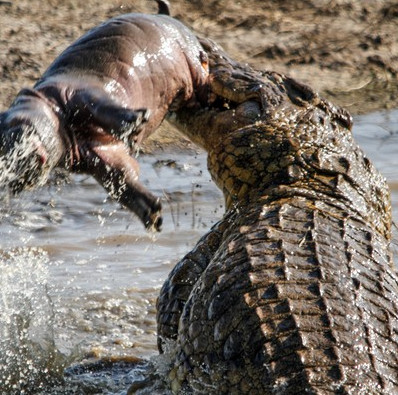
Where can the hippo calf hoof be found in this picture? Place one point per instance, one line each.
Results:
(152, 217)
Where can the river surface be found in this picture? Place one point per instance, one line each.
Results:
(79, 275)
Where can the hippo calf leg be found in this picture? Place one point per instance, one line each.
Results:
(112, 166)
(107, 157)
(107, 114)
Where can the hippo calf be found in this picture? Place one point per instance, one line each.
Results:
(104, 94)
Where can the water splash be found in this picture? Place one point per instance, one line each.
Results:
(21, 165)
(29, 359)
(110, 376)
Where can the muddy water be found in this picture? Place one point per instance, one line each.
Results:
(79, 275)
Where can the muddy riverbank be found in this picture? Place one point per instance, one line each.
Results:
(345, 49)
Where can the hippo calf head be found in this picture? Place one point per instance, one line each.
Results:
(27, 132)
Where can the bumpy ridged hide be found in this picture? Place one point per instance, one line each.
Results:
(294, 290)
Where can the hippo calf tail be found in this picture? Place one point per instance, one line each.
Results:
(163, 7)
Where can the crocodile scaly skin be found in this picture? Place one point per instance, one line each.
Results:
(294, 290)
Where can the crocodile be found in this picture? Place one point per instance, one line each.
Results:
(293, 291)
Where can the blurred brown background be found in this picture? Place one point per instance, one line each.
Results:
(345, 49)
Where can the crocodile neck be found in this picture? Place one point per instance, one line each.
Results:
(294, 156)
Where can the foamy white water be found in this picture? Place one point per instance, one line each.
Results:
(28, 356)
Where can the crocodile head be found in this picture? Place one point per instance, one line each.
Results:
(270, 137)
(246, 155)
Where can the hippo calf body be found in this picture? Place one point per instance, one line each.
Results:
(107, 91)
